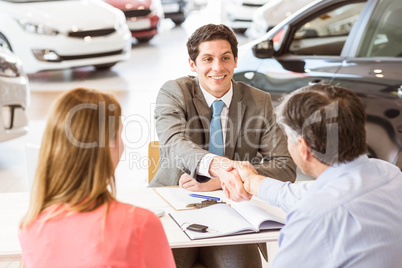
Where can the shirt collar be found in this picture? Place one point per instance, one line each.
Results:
(227, 98)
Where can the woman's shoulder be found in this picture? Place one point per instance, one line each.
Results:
(134, 211)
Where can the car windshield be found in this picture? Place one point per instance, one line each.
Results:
(326, 33)
(29, 1)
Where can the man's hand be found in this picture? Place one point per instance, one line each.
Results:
(188, 183)
(230, 181)
(249, 176)
(245, 169)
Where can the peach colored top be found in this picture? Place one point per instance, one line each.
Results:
(132, 237)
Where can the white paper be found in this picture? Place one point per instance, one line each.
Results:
(221, 220)
(259, 214)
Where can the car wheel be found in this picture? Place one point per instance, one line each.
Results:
(370, 152)
(144, 39)
(380, 143)
(239, 30)
(4, 42)
(105, 67)
(178, 22)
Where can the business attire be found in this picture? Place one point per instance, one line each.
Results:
(183, 121)
(126, 236)
(349, 217)
(183, 115)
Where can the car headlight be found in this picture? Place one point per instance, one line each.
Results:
(37, 28)
(9, 66)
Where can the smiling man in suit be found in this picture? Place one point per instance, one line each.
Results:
(204, 123)
(183, 114)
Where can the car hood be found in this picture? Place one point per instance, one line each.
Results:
(130, 4)
(66, 15)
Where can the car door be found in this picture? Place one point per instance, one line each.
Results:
(373, 70)
(309, 48)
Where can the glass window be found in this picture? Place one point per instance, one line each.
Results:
(383, 35)
(326, 34)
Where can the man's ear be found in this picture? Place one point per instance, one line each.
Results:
(192, 64)
(304, 148)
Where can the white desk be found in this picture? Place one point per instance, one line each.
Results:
(14, 205)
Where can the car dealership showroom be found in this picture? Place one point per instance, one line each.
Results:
(132, 49)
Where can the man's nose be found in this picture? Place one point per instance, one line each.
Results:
(217, 65)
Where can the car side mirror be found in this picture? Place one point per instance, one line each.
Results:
(264, 49)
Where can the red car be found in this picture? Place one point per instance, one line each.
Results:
(143, 16)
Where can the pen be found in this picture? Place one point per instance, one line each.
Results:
(205, 196)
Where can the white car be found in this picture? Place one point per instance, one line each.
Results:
(14, 96)
(272, 13)
(239, 13)
(60, 34)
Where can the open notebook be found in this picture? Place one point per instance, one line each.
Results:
(222, 220)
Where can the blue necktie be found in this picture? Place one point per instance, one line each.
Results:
(216, 145)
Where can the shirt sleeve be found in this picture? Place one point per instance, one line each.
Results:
(154, 243)
(203, 166)
(282, 194)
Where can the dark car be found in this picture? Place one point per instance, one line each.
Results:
(352, 43)
(176, 10)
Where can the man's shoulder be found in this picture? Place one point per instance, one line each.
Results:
(185, 81)
(182, 86)
(246, 89)
(251, 96)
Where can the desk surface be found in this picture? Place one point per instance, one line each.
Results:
(14, 205)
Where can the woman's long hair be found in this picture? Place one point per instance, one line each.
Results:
(75, 172)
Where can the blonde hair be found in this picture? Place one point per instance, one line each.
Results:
(75, 170)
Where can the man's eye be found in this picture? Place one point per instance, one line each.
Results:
(226, 58)
(207, 59)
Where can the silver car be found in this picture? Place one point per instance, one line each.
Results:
(14, 96)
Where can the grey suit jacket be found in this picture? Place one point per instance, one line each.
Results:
(182, 124)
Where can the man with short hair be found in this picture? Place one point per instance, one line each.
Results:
(351, 215)
(206, 122)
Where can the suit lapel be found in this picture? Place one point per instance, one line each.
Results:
(236, 114)
(203, 111)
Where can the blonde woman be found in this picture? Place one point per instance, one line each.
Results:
(74, 219)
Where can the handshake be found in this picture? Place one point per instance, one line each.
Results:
(239, 180)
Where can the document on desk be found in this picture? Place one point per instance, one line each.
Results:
(179, 198)
(223, 220)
